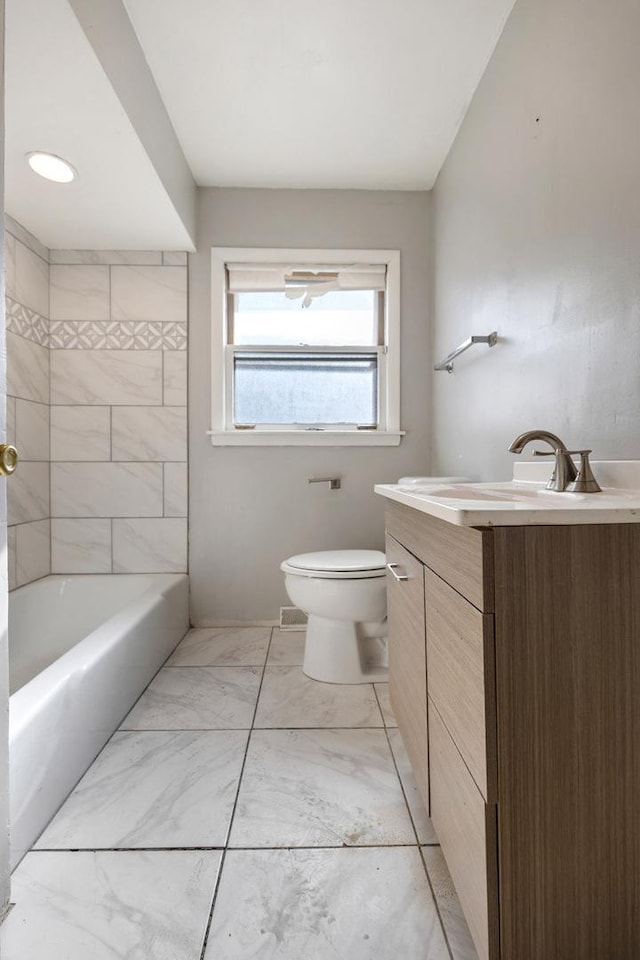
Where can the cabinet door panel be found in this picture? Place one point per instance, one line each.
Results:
(463, 556)
(466, 828)
(461, 677)
(407, 659)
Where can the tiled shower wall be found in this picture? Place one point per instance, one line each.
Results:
(28, 499)
(117, 387)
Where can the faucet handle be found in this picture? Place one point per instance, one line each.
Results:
(585, 482)
(564, 471)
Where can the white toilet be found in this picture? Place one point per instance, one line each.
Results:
(343, 592)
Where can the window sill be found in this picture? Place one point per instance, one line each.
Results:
(303, 438)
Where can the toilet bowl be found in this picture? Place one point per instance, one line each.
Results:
(343, 593)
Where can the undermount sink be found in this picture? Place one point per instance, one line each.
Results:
(463, 492)
(496, 494)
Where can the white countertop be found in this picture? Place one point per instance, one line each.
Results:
(525, 500)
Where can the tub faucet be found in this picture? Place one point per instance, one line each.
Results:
(565, 469)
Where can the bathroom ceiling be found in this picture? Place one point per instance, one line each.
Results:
(58, 98)
(363, 94)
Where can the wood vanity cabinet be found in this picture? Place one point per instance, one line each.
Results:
(514, 672)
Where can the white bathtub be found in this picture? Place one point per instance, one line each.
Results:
(81, 651)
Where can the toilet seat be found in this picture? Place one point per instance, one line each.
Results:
(337, 564)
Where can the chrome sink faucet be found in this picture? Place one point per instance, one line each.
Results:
(565, 469)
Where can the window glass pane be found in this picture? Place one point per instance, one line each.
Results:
(306, 388)
(338, 318)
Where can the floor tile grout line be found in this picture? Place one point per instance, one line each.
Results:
(377, 702)
(338, 846)
(420, 845)
(384, 719)
(435, 900)
(210, 666)
(242, 849)
(233, 809)
(229, 729)
(415, 829)
(214, 897)
(404, 794)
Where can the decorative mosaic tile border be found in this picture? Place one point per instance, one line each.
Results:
(93, 335)
(26, 323)
(116, 335)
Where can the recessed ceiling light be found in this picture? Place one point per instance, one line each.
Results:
(51, 167)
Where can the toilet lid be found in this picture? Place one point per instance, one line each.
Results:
(339, 561)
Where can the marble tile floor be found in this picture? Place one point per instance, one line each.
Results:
(241, 811)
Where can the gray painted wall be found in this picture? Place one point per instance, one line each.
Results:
(252, 507)
(537, 235)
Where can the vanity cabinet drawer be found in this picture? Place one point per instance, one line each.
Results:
(463, 556)
(407, 658)
(467, 830)
(461, 677)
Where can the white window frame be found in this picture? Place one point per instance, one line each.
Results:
(224, 433)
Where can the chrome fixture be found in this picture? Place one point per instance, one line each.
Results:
(565, 469)
(401, 577)
(585, 482)
(334, 482)
(447, 364)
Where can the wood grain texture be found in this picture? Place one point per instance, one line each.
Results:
(461, 677)
(568, 689)
(463, 556)
(407, 660)
(466, 828)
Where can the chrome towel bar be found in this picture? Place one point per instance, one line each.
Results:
(447, 363)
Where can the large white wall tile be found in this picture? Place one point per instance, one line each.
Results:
(106, 256)
(32, 430)
(80, 433)
(11, 556)
(10, 265)
(175, 377)
(27, 369)
(149, 433)
(11, 420)
(21, 233)
(106, 489)
(175, 490)
(81, 546)
(33, 551)
(106, 376)
(149, 293)
(28, 493)
(174, 258)
(79, 292)
(31, 279)
(150, 546)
